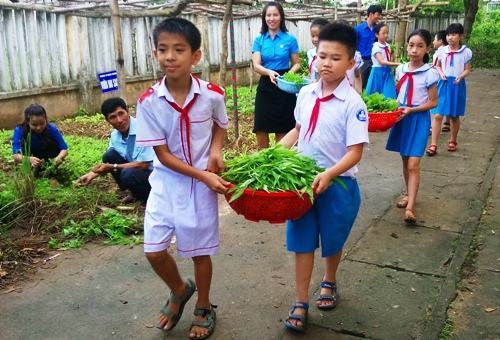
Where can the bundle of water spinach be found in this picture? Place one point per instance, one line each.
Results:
(273, 169)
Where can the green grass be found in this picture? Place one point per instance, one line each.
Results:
(75, 214)
(447, 330)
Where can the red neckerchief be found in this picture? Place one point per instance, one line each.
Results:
(184, 120)
(436, 61)
(311, 66)
(450, 55)
(315, 114)
(409, 94)
(387, 53)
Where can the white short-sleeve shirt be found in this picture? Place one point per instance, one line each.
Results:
(312, 63)
(461, 57)
(158, 123)
(358, 62)
(423, 78)
(380, 48)
(342, 122)
(435, 56)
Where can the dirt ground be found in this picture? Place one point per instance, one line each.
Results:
(395, 282)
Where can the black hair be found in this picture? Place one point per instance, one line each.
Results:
(426, 36)
(34, 110)
(179, 26)
(111, 104)
(441, 35)
(264, 28)
(341, 33)
(378, 27)
(319, 22)
(374, 9)
(455, 28)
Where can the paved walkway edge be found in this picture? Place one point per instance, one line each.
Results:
(433, 324)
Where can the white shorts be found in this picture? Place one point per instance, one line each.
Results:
(181, 206)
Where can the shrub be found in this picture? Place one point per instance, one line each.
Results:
(485, 39)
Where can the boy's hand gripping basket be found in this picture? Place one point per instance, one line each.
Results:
(382, 121)
(274, 207)
(290, 87)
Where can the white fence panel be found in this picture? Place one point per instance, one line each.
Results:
(40, 49)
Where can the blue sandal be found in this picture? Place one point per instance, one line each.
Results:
(328, 297)
(181, 300)
(298, 317)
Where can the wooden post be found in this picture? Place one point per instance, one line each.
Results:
(117, 36)
(202, 23)
(358, 17)
(400, 30)
(223, 53)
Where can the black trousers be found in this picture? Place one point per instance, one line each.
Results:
(133, 179)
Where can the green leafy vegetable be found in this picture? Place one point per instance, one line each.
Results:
(376, 102)
(273, 169)
(295, 78)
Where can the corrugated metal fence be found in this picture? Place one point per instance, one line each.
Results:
(39, 49)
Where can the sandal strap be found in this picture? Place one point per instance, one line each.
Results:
(190, 288)
(204, 311)
(329, 285)
(299, 304)
(327, 298)
(297, 317)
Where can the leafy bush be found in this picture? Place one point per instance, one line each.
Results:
(485, 39)
(246, 100)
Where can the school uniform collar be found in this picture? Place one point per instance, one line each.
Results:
(163, 90)
(340, 92)
(277, 35)
(425, 67)
(447, 49)
(382, 45)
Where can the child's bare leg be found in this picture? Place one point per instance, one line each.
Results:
(405, 172)
(455, 127)
(165, 267)
(279, 136)
(413, 181)
(203, 278)
(262, 140)
(304, 263)
(436, 129)
(331, 266)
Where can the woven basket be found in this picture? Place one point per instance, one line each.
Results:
(291, 87)
(274, 207)
(382, 121)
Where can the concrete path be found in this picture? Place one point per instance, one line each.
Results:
(395, 282)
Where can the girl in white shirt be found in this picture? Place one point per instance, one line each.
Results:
(417, 95)
(381, 79)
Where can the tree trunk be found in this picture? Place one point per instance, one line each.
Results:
(223, 54)
(470, 10)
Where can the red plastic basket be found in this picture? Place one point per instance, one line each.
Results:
(274, 207)
(382, 121)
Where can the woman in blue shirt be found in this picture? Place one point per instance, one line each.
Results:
(272, 52)
(45, 140)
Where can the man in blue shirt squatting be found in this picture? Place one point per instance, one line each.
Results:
(365, 39)
(129, 164)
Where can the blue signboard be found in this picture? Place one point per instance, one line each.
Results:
(108, 81)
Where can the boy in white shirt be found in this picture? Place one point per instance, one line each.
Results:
(184, 119)
(332, 128)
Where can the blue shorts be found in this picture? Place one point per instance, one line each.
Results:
(331, 218)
